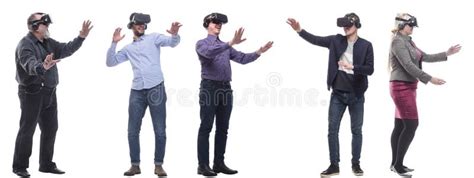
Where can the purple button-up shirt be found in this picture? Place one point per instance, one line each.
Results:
(215, 57)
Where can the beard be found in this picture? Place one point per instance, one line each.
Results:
(46, 34)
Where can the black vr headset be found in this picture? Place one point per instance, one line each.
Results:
(410, 22)
(138, 19)
(348, 20)
(216, 18)
(45, 20)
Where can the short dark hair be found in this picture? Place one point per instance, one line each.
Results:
(217, 17)
(354, 18)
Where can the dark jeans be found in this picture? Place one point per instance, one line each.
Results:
(155, 99)
(339, 101)
(38, 106)
(215, 99)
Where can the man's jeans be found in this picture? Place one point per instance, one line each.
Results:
(215, 99)
(339, 101)
(38, 107)
(155, 99)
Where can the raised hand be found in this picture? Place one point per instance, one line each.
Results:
(453, 50)
(265, 47)
(174, 28)
(294, 24)
(86, 28)
(237, 37)
(116, 38)
(437, 81)
(49, 62)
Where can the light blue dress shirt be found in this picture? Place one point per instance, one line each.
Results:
(144, 55)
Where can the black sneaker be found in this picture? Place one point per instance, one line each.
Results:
(331, 171)
(357, 170)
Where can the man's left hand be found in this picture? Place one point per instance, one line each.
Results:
(174, 28)
(86, 28)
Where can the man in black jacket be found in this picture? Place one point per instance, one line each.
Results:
(351, 59)
(37, 75)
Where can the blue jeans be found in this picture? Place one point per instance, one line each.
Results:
(339, 101)
(155, 99)
(215, 99)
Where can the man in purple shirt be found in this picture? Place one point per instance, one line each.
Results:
(215, 97)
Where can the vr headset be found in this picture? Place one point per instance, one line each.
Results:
(349, 20)
(45, 20)
(216, 18)
(410, 22)
(139, 19)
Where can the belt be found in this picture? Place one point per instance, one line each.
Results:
(227, 83)
(42, 86)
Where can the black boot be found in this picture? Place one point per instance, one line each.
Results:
(205, 170)
(52, 170)
(221, 167)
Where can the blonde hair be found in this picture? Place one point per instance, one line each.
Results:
(397, 24)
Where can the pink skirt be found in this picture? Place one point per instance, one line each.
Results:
(404, 96)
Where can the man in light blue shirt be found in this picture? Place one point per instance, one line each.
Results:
(148, 88)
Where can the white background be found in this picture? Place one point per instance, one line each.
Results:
(270, 135)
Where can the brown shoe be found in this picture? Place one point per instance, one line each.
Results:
(132, 171)
(160, 171)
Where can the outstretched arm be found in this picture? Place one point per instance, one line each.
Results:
(265, 48)
(313, 39)
(443, 56)
(245, 58)
(62, 50)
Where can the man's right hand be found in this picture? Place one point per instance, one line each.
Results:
(49, 62)
(237, 37)
(116, 38)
